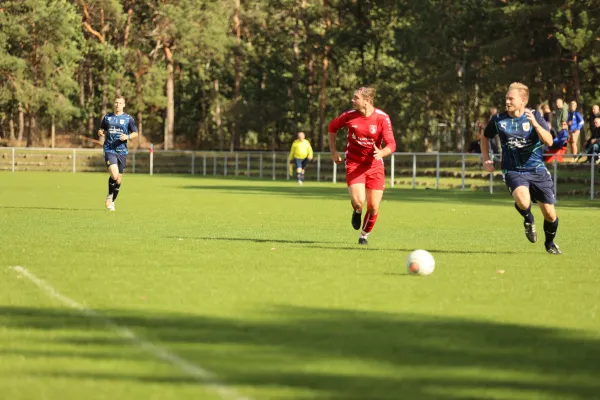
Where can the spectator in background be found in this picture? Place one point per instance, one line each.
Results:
(546, 113)
(475, 146)
(593, 115)
(300, 154)
(559, 145)
(592, 146)
(561, 114)
(575, 122)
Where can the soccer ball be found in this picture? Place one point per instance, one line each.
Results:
(420, 262)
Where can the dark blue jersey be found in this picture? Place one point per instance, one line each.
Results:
(522, 149)
(114, 126)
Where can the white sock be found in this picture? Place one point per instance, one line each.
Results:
(363, 235)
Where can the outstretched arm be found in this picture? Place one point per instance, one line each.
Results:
(334, 127)
(544, 135)
(335, 156)
(489, 133)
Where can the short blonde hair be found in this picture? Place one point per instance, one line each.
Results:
(367, 92)
(523, 89)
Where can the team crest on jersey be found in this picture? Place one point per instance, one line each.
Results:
(121, 121)
(372, 129)
(526, 126)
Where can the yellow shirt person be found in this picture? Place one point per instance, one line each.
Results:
(300, 153)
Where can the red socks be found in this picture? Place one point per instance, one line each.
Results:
(369, 222)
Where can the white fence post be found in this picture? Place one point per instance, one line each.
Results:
(437, 170)
(133, 162)
(236, 164)
(462, 172)
(151, 159)
(274, 154)
(225, 165)
(555, 178)
(414, 177)
(393, 161)
(193, 162)
(319, 167)
(260, 174)
(13, 159)
(593, 164)
(334, 172)
(204, 164)
(74, 160)
(214, 164)
(248, 165)
(491, 183)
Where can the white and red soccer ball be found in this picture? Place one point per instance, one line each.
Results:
(420, 262)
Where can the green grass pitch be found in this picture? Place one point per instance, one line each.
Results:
(262, 285)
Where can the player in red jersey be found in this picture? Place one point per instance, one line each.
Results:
(367, 127)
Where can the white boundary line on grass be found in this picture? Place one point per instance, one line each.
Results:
(193, 370)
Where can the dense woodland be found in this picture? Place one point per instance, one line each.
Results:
(248, 74)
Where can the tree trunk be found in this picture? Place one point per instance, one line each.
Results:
(90, 102)
(104, 68)
(427, 142)
(125, 43)
(21, 123)
(170, 122)
(218, 115)
(235, 135)
(140, 108)
(3, 125)
(31, 130)
(53, 133)
(310, 63)
(81, 81)
(104, 88)
(296, 67)
(325, 65)
(11, 127)
(101, 36)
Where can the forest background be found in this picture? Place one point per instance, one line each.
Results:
(249, 74)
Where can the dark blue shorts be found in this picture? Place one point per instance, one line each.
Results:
(300, 162)
(114, 158)
(540, 184)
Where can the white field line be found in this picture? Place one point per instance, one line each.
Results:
(198, 373)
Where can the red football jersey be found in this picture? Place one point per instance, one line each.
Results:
(363, 133)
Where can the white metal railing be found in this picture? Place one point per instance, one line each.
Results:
(273, 165)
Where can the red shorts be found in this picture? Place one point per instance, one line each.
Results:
(372, 175)
(556, 154)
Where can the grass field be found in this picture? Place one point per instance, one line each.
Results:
(201, 288)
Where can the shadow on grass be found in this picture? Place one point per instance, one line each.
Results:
(238, 239)
(339, 354)
(337, 245)
(339, 191)
(53, 208)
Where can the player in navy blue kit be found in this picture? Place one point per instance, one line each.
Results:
(117, 128)
(523, 134)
